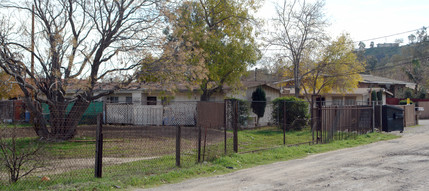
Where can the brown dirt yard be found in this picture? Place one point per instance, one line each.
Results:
(123, 144)
(400, 164)
(125, 131)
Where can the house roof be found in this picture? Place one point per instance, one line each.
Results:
(356, 91)
(370, 79)
(141, 86)
(262, 75)
(251, 84)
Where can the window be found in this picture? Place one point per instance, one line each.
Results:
(320, 100)
(350, 101)
(151, 100)
(113, 99)
(129, 100)
(337, 101)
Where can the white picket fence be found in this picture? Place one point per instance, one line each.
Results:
(136, 114)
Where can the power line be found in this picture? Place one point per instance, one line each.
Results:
(401, 62)
(387, 36)
(371, 39)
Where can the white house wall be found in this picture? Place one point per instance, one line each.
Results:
(137, 97)
(270, 94)
(122, 97)
(181, 109)
(186, 97)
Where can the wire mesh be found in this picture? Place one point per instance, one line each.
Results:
(143, 140)
(51, 159)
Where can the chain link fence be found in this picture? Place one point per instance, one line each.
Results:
(137, 139)
(143, 140)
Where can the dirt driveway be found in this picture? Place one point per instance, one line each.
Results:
(400, 164)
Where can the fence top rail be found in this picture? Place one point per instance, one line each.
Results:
(346, 107)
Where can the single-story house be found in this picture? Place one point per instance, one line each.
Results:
(146, 95)
(362, 94)
(395, 87)
(128, 105)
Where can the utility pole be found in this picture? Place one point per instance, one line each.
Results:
(32, 47)
(32, 41)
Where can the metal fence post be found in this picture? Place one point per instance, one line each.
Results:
(99, 148)
(199, 143)
(381, 117)
(284, 123)
(225, 141)
(319, 121)
(178, 137)
(373, 118)
(225, 125)
(312, 118)
(235, 125)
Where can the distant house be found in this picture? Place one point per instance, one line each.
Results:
(152, 95)
(385, 45)
(362, 94)
(394, 87)
(271, 92)
(144, 104)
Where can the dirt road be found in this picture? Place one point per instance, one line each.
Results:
(400, 164)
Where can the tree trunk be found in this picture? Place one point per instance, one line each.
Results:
(205, 96)
(257, 121)
(74, 116)
(297, 89)
(62, 123)
(296, 79)
(39, 122)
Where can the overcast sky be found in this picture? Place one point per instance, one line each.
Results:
(368, 19)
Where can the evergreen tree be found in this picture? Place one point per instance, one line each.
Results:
(259, 101)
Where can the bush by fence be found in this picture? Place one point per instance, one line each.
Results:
(297, 114)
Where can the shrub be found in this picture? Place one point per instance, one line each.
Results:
(374, 96)
(297, 114)
(404, 102)
(380, 95)
(408, 94)
(17, 159)
(243, 110)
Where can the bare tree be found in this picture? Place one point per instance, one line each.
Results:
(299, 27)
(78, 42)
(20, 160)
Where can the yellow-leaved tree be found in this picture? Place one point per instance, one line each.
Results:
(335, 69)
(8, 88)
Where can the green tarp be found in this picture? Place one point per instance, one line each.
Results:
(89, 117)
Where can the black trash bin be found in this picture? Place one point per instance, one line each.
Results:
(393, 118)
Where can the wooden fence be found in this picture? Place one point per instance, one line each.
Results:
(136, 114)
(13, 111)
(211, 114)
(424, 114)
(338, 121)
(6, 111)
(409, 114)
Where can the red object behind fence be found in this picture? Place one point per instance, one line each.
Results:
(18, 110)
